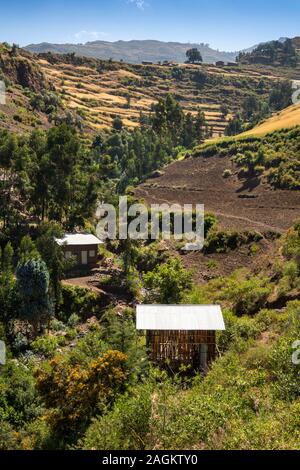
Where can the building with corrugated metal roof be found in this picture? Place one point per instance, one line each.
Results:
(81, 246)
(181, 334)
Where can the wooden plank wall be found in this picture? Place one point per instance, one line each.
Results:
(181, 347)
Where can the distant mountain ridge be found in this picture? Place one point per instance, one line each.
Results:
(135, 51)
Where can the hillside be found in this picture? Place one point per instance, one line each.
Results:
(31, 100)
(285, 119)
(96, 91)
(249, 201)
(135, 51)
(249, 184)
(100, 90)
(284, 52)
(103, 90)
(23, 78)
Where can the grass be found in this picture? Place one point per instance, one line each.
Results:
(285, 119)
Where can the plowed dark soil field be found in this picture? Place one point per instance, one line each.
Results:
(238, 203)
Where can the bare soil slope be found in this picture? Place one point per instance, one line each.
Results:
(238, 203)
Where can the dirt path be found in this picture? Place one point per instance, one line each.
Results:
(83, 282)
(240, 204)
(246, 219)
(143, 192)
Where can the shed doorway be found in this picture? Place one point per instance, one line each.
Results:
(84, 257)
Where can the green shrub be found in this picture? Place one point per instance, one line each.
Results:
(168, 282)
(238, 330)
(274, 155)
(57, 325)
(47, 345)
(82, 302)
(125, 427)
(222, 241)
(73, 320)
(247, 296)
(286, 374)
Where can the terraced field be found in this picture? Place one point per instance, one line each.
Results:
(99, 94)
(100, 90)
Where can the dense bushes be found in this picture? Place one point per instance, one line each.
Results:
(245, 294)
(74, 394)
(79, 301)
(127, 426)
(242, 292)
(222, 241)
(100, 393)
(168, 282)
(274, 156)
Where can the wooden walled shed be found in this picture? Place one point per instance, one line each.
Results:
(181, 334)
(83, 246)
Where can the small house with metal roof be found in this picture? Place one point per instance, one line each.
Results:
(181, 334)
(82, 246)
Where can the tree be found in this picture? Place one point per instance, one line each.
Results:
(250, 106)
(27, 250)
(63, 151)
(108, 168)
(7, 283)
(74, 393)
(234, 127)
(281, 96)
(194, 56)
(200, 78)
(7, 258)
(117, 124)
(168, 282)
(271, 53)
(129, 254)
(128, 100)
(224, 110)
(33, 292)
(177, 73)
(14, 49)
(53, 255)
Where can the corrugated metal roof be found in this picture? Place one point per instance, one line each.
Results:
(179, 317)
(78, 239)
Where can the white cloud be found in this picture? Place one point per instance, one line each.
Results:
(83, 35)
(139, 3)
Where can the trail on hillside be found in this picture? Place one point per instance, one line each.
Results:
(249, 220)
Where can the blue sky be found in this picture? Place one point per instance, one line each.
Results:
(224, 24)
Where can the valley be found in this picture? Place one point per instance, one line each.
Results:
(77, 130)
